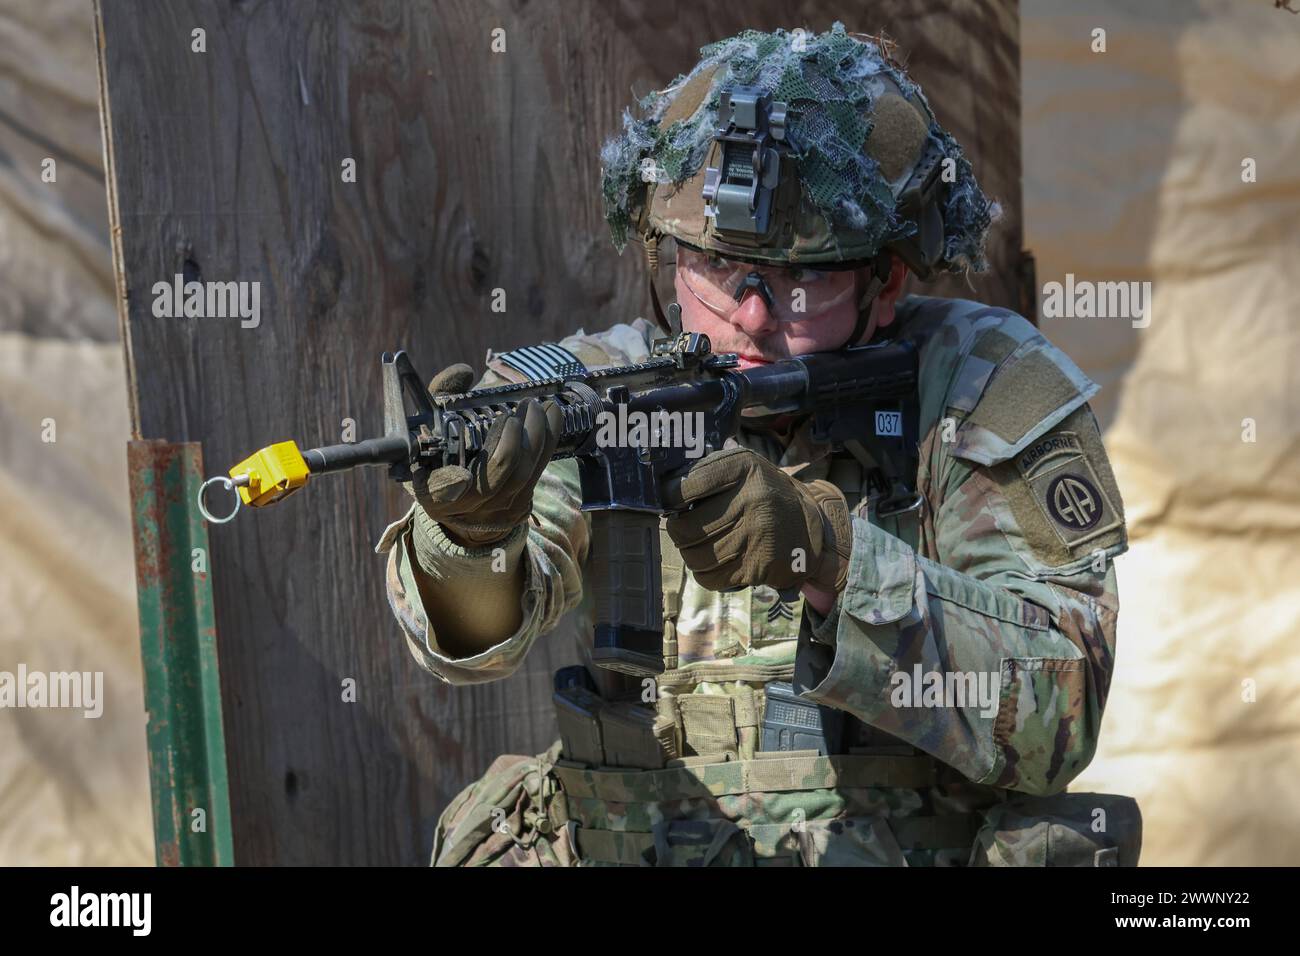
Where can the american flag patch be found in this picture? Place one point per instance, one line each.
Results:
(541, 362)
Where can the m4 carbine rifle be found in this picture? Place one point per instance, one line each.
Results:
(864, 394)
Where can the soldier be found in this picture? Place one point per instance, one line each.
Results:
(873, 658)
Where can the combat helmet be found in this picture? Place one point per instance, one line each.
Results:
(796, 149)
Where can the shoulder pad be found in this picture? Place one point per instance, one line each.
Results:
(1011, 386)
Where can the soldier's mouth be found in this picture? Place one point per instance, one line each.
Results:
(748, 361)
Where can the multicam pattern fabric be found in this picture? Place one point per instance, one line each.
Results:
(979, 585)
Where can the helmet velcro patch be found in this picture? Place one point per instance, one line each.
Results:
(1031, 387)
(898, 136)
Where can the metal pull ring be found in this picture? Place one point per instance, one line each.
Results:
(229, 484)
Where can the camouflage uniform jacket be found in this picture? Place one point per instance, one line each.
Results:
(1004, 572)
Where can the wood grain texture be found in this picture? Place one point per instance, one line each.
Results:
(475, 171)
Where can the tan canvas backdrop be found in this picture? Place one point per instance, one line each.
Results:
(73, 790)
(1132, 172)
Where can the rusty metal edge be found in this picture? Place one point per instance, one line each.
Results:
(182, 687)
(114, 215)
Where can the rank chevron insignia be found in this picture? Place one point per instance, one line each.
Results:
(779, 609)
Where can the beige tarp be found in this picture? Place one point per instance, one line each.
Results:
(73, 790)
(1134, 164)
(1133, 169)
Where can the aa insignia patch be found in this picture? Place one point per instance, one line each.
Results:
(1065, 487)
(1074, 502)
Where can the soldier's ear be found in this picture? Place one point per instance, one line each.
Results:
(887, 296)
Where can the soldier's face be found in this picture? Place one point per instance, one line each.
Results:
(789, 312)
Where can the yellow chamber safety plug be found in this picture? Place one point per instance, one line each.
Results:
(263, 478)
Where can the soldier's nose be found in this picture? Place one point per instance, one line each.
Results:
(753, 316)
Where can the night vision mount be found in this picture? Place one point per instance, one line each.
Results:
(751, 132)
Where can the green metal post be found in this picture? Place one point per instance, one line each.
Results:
(182, 688)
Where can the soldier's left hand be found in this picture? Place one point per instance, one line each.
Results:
(749, 523)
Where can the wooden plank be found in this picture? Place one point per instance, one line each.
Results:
(474, 171)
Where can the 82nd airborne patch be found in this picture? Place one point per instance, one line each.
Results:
(1065, 487)
(1074, 502)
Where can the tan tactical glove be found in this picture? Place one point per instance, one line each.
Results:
(750, 523)
(482, 504)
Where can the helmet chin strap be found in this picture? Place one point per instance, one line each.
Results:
(881, 267)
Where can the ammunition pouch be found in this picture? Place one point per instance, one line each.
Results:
(651, 736)
(756, 777)
(512, 816)
(1066, 829)
(740, 724)
(623, 733)
(785, 809)
(777, 809)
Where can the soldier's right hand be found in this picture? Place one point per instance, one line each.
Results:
(481, 504)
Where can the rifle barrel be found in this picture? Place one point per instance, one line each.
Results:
(372, 451)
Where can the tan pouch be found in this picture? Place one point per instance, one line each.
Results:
(849, 841)
(709, 724)
(509, 817)
(1066, 829)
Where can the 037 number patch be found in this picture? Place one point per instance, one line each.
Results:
(889, 424)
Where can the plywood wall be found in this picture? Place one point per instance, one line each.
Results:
(475, 171)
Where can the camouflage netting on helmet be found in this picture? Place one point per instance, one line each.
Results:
(830, 82)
